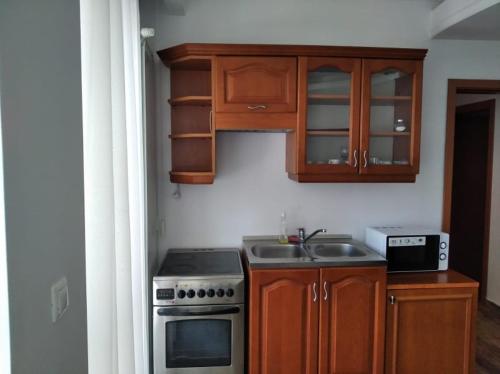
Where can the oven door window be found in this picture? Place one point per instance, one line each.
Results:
(198, 343)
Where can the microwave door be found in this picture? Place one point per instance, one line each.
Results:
(415, 257)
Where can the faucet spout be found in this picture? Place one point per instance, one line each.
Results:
(302, 235)
(313, 234)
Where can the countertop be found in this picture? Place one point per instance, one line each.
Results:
(434, 279)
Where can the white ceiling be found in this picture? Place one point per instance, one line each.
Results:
(484, 25)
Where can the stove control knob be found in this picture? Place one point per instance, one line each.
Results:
(210, 293)
(191, 294)
(201, 293)
(230, 292)
(181, 294)
(220, 292)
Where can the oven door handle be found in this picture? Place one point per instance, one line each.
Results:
(191, 312)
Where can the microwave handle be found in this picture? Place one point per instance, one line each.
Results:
(192, 312)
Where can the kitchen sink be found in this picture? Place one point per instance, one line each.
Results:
(337, 250)
(333, 251)
(278, 251)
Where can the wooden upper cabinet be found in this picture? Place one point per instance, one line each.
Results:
(358, 120)
(256, 84)
(352, 315)
(391, 107)
(352, 114)
(283, 322)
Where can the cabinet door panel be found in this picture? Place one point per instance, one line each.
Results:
(352, 320)
(283, 322)
(390, 117)
(328, 108)
(430, 331)
(256, 84)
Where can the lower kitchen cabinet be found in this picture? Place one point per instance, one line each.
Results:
(299, 315)
(430, 323)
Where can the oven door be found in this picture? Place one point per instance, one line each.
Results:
(198, 339)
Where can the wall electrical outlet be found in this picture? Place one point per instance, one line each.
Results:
(59, 296)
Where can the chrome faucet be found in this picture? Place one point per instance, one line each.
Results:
(302, 235)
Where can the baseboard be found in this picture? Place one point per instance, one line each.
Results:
(493, 303)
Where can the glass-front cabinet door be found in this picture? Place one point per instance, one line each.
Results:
(329, 115)
(390, 117)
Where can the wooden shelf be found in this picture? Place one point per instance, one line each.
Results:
(328, 132)
(389, 133)
(191, 100)
(324, 99)
(390, 100)
(192, 63)
(192, 177)
(191, 136)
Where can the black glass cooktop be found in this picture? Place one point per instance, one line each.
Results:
(201, 262)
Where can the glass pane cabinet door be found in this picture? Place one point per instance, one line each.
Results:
(331, 114)
(389, 117)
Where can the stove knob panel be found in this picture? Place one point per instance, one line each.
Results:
(201, 293)
(181, 294)
(230, 292)
(191, 294)
(210, 293)
(220, 292)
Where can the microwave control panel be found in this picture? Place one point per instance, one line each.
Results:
(407, 241)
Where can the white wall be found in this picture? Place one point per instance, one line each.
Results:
(42, 145)
(493, 290)
(251, 187)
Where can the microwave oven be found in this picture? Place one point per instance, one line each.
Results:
(408, 249)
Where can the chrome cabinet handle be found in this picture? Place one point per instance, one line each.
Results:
(326, 292)
(392, 299)
(365, 164)
(315, 293)
(210, 121)
(257, 107)
(355, 158)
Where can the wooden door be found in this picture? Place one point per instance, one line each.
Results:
(283, 321)
(430, 331)
(471, 190)
(352, 317)
(256, 84)
(391, 102)
(328, 111)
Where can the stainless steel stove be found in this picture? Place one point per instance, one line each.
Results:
(198, 312)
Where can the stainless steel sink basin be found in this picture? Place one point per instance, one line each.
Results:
(278, 251)
(336, 250)
(333, 251)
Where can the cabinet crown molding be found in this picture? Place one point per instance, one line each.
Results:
(170, 55)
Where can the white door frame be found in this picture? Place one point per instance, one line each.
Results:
(4, 288)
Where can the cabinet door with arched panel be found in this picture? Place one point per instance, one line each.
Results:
(328, 109)
(283, 321)
(390, 116)
(352, 311)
